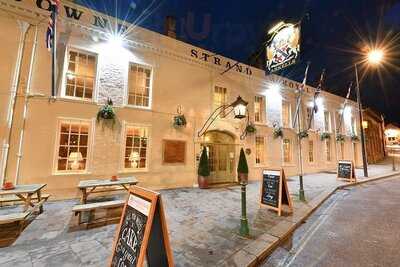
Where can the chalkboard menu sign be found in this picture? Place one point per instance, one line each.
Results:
(274, 190)
(142, 232)
(345, 170)
(270, 193)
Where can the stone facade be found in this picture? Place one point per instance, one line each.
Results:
(180, 79)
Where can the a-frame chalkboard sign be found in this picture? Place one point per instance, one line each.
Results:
(345, 171)
(275, 191)
(142, 232)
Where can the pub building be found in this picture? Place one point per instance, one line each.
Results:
(151, 78)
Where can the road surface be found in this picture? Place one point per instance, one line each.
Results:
(358, 226)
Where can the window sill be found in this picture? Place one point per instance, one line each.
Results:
(137, 107)
(133, 171)
(288, 165)
(260, 166)
(71, 173)
(77, 100)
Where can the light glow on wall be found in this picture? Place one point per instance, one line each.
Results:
(347, 115)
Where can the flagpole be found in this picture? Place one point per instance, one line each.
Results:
(54, 52)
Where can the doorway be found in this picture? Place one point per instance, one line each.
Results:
(221, 153)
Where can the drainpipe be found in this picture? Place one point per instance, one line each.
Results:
(25, 111)
(23, 26)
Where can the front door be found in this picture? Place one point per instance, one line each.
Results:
(221, 152)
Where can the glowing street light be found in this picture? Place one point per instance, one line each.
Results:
(375, 56)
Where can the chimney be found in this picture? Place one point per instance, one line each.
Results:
(170, 26)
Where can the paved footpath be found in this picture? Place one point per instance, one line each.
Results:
(203, 227)
(355, 227)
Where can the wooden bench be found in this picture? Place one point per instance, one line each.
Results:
(12, 198)
(78, 209)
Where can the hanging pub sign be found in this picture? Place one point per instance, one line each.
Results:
(283, 46)
(275, 191)
(142, 233)
(345, 171)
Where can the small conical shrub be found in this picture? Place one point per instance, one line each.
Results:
(204, 168)
(242, 165)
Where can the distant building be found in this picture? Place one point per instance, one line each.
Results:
(373, 125)
(151, 78)
(392, 133)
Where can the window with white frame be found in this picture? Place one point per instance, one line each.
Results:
(310, 151)
(286, 114)
(73, 146)
(340, 122)
(342, 150)
(258, 108)
(81, 75)
(327, 121)
(309, 113)
(287, 150)
(136, 147)
(219, 97)
(328, 150)
(139, 85)
(260, 146)
(354, 125)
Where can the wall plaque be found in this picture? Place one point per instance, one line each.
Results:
(174, 151)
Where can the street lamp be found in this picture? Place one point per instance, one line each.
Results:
(373, 57)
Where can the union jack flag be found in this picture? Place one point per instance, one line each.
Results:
(54, 5)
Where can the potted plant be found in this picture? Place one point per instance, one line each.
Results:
(204, 170)
(340, 138)
(354, 137)
(179, 121)
(303, 134)
(242, 169)
(325, 135)
(107, 113)
(250, 128)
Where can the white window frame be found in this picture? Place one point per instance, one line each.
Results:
(90, 124)
(226, 100)
(126, 98)
(313, 151)
(326, 150)
(65, 70)
(262, 109)
(329, 128)
(285, 102)
(262, 161)
(126, 125)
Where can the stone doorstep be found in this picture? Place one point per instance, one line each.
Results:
(259, 249)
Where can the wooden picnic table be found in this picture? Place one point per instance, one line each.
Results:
(25, 192)
(88, 187)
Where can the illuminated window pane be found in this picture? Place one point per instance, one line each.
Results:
(135, 148)
(310, 151)
(258, 108)
(260, 146)
(139, 85)
(219, 98)
(286, 114)
(287, 151)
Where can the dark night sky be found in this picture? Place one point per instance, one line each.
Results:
(331, 36)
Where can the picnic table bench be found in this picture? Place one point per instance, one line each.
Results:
(88, 187)
(24, 193)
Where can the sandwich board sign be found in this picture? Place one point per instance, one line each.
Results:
(345, 171)
(274, 190)
(142, 233)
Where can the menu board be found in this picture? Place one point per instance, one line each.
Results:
(270, 188)
(345, 170)
(132, 230)
(142, 232)
(174, 151)
(274, 190)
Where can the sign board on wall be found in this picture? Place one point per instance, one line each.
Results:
(142, 232)
(283, 47)
(174, 151)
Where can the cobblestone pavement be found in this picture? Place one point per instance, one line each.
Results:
(203, 226)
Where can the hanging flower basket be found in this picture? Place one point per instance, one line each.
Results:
(277, 132)
(107, 113)
(354, 138)
(179, 121)
(325, 136)
(340, 138)
(303, 134)
(251, 128)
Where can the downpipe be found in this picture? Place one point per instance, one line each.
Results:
(25, 111)
(23, 26)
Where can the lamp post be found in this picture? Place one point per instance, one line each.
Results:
(374, 57)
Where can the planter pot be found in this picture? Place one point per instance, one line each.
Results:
(202, 181)
(243, 178)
